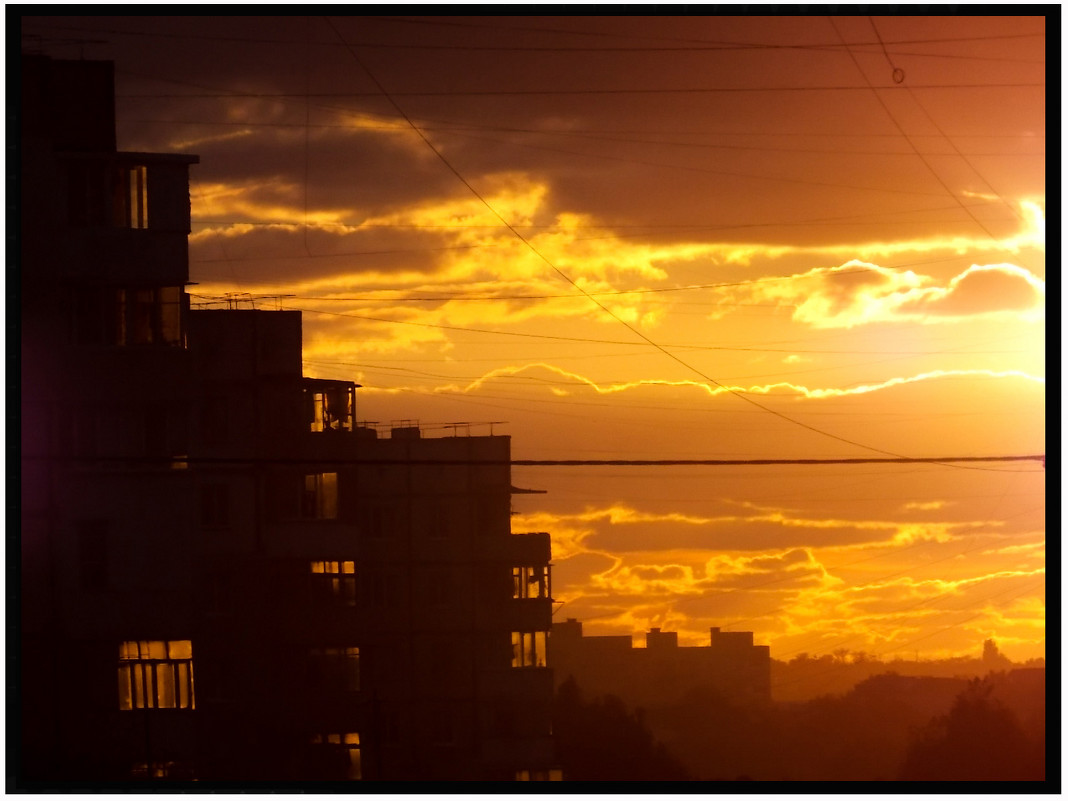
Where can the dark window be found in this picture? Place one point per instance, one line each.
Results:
(129, 316)
(101, 194)
(304, 496)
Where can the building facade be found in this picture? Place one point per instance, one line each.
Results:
(224, 576)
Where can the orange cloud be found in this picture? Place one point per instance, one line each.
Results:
(861, 293)
(981, 290)
(573, 379)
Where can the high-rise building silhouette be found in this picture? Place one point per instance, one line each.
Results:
(663, 671)
(224, 575)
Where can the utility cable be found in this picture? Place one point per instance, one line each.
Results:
(578, 287)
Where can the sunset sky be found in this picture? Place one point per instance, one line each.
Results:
(658, 238)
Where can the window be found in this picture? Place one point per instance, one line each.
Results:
(335, 669)
(156, 674)
(130, 199)
(337, 579)
(530, 582)
(101, 194)
(528, 648)
(342, 754)
(539, 775)
(318, 500)
(129, 316)
(331, 409)
(168, 769)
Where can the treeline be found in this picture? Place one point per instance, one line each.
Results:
(889, 727)
(805, 677)
(599, 739)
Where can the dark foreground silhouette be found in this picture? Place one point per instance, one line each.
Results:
(887, 728)
(600, 740)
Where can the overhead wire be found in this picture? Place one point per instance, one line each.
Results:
(440, 156)
(875, 91)
(700, 46)
(938, 128)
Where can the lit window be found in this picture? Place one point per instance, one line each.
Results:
(338, 578)
(319, 496)
(156, 674)
(550, 775)
(162, 770)
(335, 669)
(331, 409)
(130, 197)
(528, 648)
(346, 747)
(530, 582)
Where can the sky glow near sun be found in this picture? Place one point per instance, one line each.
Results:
(864, 262)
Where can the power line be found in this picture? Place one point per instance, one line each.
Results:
(765, 462)
(569, 92)
(899, 77)
(942, 461)
(580, 289)
(683, 48)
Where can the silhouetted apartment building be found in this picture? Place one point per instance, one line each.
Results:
(225, 576)
(663, 671)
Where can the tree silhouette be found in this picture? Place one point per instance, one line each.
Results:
(599, 740)
(978, 740)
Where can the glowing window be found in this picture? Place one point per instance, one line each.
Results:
(550, 775)
(529, 648)
(338, 578)
(156, 674)
(347, 747)
(130, 197)
(331, 409)
(530, 582)
(319, 496)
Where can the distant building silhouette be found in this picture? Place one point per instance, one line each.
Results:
(224, 575)
(663, 671)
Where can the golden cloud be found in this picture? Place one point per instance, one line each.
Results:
(860, 293)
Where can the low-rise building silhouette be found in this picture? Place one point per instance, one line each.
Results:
(663, 671)
(224, 575)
